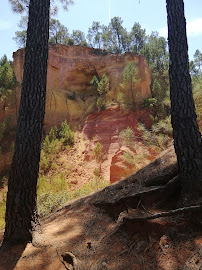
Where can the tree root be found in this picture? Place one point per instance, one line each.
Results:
(190, 209)
(118, 205)
(148, 197)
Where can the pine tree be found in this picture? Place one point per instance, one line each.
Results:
(21, 209)
(187, 138)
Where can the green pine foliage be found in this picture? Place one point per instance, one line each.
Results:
(97, 152)
(160, 135)
(54, 142)
(7, 78)
(102, 87)
(66, 134)
(94, 82)
(123, 101)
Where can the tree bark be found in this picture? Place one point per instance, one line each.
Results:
(187, 138)
(21, 208)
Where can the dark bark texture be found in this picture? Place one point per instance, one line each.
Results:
(21, 208)
(187, 138)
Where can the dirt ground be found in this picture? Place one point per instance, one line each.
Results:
(90, 233)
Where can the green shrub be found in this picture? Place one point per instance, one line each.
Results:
(127, 135)
(44, 162)
(92, 186)
(7, 78)
(94, 82)
(97, 152)
(48, 202)
(122, 101)
(149, 103)
(51, 193)
(159, 135)
(66, 134)
(102, 87)
(53, 166)
(53, 134)
(101, 103)
(51, 147)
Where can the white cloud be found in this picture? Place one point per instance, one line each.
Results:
(194, 28)
(4, 25)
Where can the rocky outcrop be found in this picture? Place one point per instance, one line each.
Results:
(71, 97)
(105, 127)
(70, 70)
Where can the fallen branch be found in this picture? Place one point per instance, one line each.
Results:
(194, 208)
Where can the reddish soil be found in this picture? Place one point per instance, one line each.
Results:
(100, 240)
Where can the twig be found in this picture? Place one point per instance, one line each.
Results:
(146, 209)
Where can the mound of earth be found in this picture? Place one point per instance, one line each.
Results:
(100, 231)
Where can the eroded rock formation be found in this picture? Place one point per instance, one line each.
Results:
(70, 70)
(71, 97)
(105, 127)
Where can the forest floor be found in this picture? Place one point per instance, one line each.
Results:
(100, 231)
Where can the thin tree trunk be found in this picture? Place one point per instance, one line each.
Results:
(21, 208)
(187, 138)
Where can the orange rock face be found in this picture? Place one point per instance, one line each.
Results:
(71, 97)
(105, 127)
(71, 68)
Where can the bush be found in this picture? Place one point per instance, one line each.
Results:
(101, 103)
(53, 134)
(97, 153)
(51, 193)
(149, 103)
(160, 134)
(44, 162)
(127, 135)
(102, 87)
(66, 134)
(53, 143)
(122, 101)
(94, 82)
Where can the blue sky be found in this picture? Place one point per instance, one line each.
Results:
(151, 14)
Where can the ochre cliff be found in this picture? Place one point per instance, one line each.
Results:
(71, 97)
(105, 127)
(70, 70)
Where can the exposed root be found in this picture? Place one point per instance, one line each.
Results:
(147, 197)
(190, 209)
(117, 206)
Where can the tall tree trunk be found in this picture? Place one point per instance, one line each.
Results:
(187, 138)
(21, 208)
